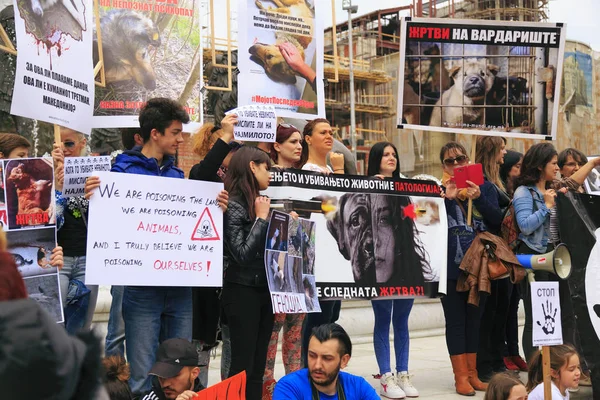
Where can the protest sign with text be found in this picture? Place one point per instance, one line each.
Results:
(480, 77)
(545, 306)
(290, 252)
(161, 232)
(281, 58)
(255, 123)
(377, 237)
(78, 169)
(54, 79)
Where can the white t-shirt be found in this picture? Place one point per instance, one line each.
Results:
(316, 168)
(538, 393)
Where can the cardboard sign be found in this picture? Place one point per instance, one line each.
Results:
(545, 302)
(78, 169)
(161, 232)
(290, 252)
(473, 173)
(255, 123)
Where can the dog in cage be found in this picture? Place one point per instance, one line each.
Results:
(127, 37)
(462, 102)
(507, 92)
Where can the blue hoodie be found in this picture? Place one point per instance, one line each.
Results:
(134, 162)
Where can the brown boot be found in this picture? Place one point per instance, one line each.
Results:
(473, 378)
(461, 375)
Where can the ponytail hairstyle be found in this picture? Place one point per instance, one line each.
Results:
(117, 375)
(559, 357)
(500, 386)
(308, 131)
(488, 148)
(240, 181)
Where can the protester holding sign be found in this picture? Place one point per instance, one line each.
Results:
(317, 145)
(383, 163)
(463, 319)
(490, 154)
(149, 311)
(246, 299)
(72, 214)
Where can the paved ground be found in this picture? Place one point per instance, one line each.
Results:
(429, 363)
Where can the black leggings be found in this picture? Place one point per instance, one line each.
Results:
(250, 320)
(512, 321)
(462, 320)
(493, 326)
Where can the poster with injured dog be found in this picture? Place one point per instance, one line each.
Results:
(29, 198)
(281, 56)
(481, 77)
(150, 49)
(289, 260)
(377, 238)
(54, 78)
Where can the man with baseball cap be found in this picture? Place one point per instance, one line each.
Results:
(175, 372)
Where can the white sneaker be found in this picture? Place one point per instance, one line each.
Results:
(404, 382)
(390, 388)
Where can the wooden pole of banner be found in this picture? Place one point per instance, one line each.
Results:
(336, 59)
(213, 49)
(546, 372)
(472, 158)
(6, 44)
(99, 67)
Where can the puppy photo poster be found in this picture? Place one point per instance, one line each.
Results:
(54, 78)
(149, 50)
(376, 238)
(481, 77)
(281, 57)
(289, 262)
(30, 211)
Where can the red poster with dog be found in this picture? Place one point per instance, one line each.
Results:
(149, 50)
(281, 57)
(480, 77)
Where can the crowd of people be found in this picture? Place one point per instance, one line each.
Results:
(166, 334)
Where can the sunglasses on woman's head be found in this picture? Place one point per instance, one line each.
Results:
(458, 159)
(287, 126)
(69, 144)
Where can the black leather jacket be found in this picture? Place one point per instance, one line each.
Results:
(244, 249)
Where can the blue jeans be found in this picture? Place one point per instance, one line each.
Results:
(115, 337)
(396, 311)
(74, 268)
(152, 315)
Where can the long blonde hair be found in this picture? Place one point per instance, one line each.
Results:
(488, 148)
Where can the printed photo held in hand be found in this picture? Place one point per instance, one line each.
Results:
(480, 77)
(281, 56)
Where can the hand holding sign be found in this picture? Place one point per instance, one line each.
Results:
(255, 123)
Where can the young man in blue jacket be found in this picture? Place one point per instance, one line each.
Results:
(151, 310)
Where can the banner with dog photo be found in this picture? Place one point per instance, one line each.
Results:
(54, 78)
(150, 49)
(289, 262)
(281, 57)
(481, 77)
(377, 238)
(28, 196)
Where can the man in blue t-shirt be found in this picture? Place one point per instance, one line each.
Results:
(329, 350)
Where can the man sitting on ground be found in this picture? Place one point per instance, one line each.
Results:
(175, 372)
(329, 350)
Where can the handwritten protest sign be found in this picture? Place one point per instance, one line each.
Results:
(161, 232)
(545, 303)
(77, 169)
(255, 123)
(290, 251)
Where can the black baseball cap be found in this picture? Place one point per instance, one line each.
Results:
(172, 355)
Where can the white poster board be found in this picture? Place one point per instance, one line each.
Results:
(78, 169)
(545, 302)
(154, 231)
(255, 123)
(54, 79)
